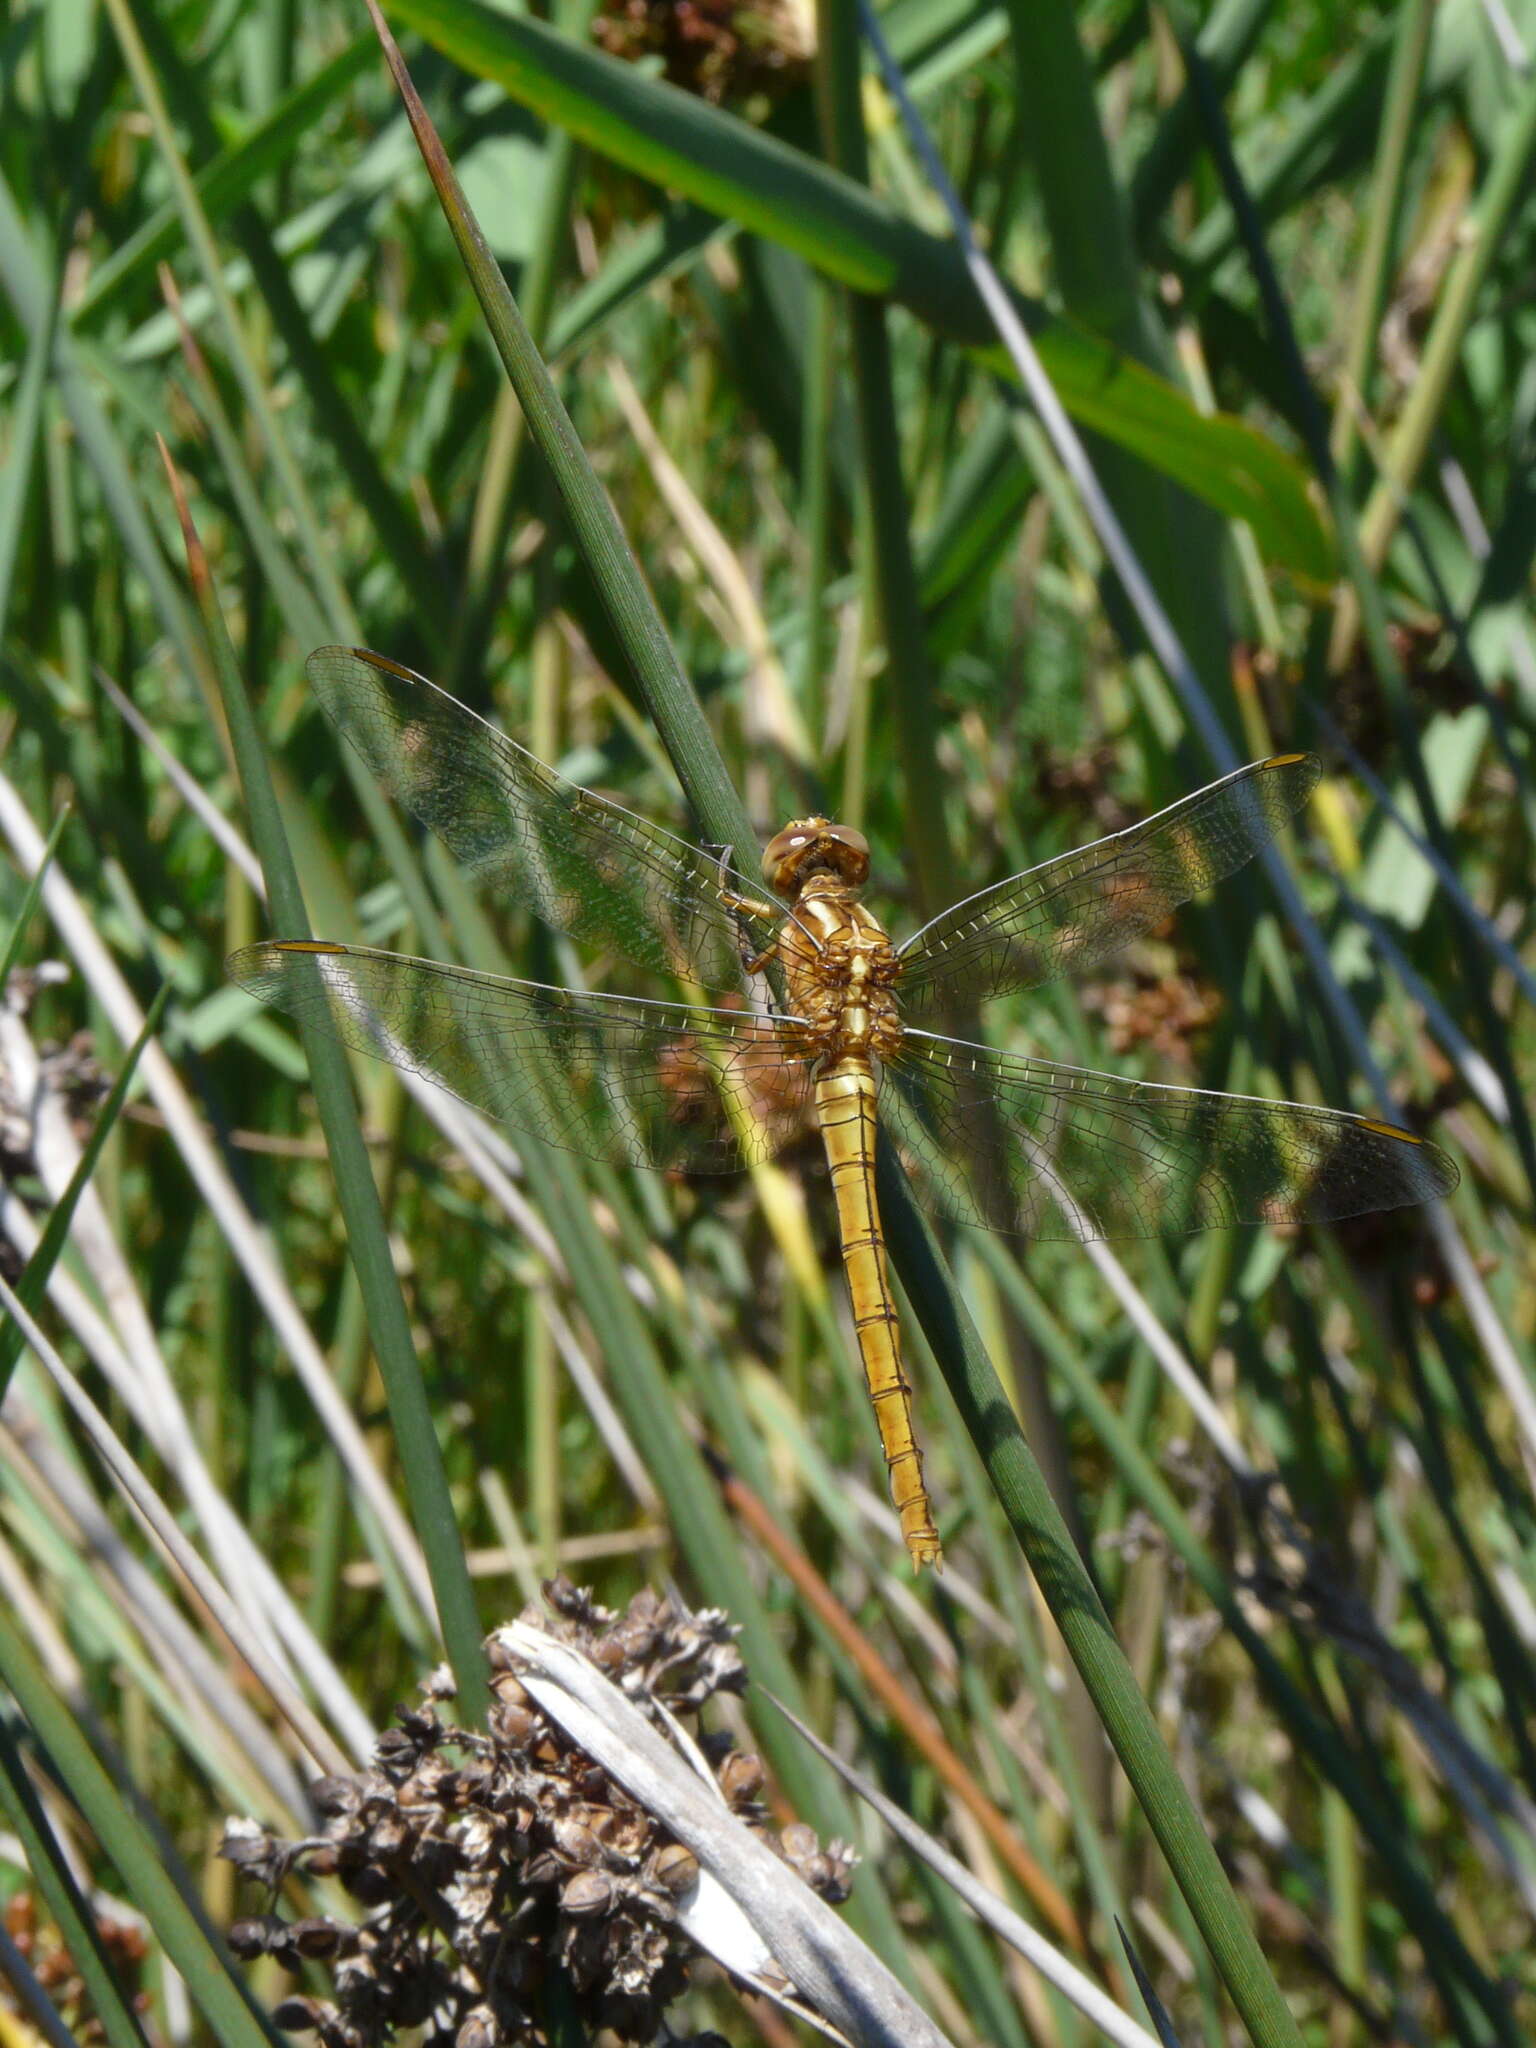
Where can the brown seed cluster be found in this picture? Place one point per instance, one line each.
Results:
(719, 49)
(1169, 1012)
(503, 1873)
(57, 1972)
(772, 1086)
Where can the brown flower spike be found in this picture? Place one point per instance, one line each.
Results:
(489, 1866)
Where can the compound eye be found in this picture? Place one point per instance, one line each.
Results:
(785, 851)
(853, 860)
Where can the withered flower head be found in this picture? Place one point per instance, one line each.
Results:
(723, 50)
(482, 1861)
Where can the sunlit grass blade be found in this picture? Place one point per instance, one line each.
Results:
(33, 1283)
(224, 183)
(745, 175)
(26, 909)
(367, 1234)
(1115, 2025)
(50, 1872)
(1085, 1628)
(137, 1855)
(673, 1460)
(32, 300)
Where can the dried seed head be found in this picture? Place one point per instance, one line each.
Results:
(301, 2015)
(741, 1777)
(674, 1869)
(318, 1937)
(333, 1795)
(253, 1937)
(720, 49)
(479, 2030)
(834, 1872)
(799, 1847)
(485, 1861)
(588, 1894)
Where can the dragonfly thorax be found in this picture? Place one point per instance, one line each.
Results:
(841, 968)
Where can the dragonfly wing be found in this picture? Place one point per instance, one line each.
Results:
(642, 1082)
(585, 865)
(1044, 1151)
(1077, 909)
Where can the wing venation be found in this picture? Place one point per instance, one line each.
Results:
(670, 1085)
(1083, 906)
(585, 865)
(1045, 1151)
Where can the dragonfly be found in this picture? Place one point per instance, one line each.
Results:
(820, 1018)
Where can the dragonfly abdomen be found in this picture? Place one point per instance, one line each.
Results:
(845, 1109)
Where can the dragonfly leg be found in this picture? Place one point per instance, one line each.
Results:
(742, 907)
(734, 901)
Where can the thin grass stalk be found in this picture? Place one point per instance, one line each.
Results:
(31, 896)
(1227, 37)
(332, 1516)
(33, 2001)
(1096, 1855)
(704, 1366)
(49, 1870)
(1085, 1628)
(200, 236)
(1369, 606)
(1378, 253)
(367, 1233)
(181, 1929)
(909, 682)
(1450, 1959)
(497, 494)
(297, 601)
(1347, 96)
(816, 504)
(25, 441)
(1505, 186)
(1458, 622)
(32, 1287)
(32, 299)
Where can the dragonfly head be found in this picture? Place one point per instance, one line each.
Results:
(808, 844)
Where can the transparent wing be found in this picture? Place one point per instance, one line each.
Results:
(650, 1084)
(1076, 909)
(1046, 1151)
(585, 865)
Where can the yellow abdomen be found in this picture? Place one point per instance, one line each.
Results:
(845, 1109)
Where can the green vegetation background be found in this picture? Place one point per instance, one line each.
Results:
(1298, 1464)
